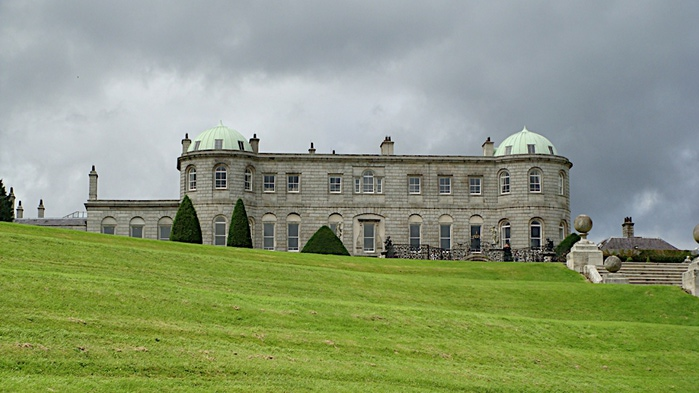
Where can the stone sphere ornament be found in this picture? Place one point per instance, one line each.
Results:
(612, 264)
(696, 233)
(583, 224)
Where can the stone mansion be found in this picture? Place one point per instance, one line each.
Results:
(517, 194)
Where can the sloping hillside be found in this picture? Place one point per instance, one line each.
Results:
(90, 312)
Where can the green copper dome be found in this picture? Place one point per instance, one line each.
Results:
(525, 142)
(220, 138)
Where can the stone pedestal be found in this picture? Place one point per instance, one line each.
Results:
(615, 278)
(584, 252)
(690, 278)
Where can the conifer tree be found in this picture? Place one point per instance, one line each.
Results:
(186, 226)
(6, 213)
(324, 241)
(239, 233)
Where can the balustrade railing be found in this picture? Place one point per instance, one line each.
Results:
(425, 251)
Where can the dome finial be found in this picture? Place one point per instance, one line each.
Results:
(525, 128)
(220, 122)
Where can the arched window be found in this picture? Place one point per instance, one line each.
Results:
(445, 232)
(561, 183)
(535, 234)
(109, 225)
(164, 228)
(192, 179)
(535, 180)
(505, 233)
(248, 179)
(562, 230)
(220, 177)
(293, 223)
(269, 222)
(368, 182)
(220, 234)
(414, 232)
(136, 226)
(504, 182)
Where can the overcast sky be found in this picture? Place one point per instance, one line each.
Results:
(613, 84)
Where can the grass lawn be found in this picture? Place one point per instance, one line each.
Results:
(91, 312)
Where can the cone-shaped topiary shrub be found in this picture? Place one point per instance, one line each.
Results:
(324, 241)
(186, 227)
(239, 234)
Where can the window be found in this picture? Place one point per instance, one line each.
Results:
(369, 232)
(196, 145)
(248, 179)
(292, 241)
(192, 179)
(220, 177)
(241, 145)
(561, 183)
(531, 149)
(535, 180)
(268, 183)
(268, 236)
(109, 226)
(368, 182)
(220, 231)
(292, 183)
(474, 185)
(562, 230)
(414, 185)
(414, 236)
(508, 150)
(504, 233)
(504, 182)
(445, 185)
(445, 236)
(551, 150)
(218, 144)
(136, 227)
(535, 234)
(164, 228)
(335, 184)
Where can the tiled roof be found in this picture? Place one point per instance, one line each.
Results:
(635, 243)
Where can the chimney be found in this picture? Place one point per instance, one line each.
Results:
(255, 143)
(41, 209)
(627, 228)
(93, 185)
(387, 147)
(20, 211)
(312, 150)
(11, 198)
(185, 143)
(488, 148)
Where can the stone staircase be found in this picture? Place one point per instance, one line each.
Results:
(651, 273)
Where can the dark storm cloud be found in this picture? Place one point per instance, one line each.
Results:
(612, 83)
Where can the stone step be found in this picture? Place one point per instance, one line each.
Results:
(645, 273)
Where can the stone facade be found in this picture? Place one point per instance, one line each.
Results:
(452, 201)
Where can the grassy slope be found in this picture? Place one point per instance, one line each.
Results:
(92, 312)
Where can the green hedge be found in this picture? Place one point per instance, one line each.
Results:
(563, 248)
(324, 241)
(664, 256)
